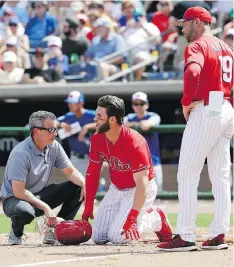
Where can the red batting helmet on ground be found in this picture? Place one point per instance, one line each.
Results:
(73, 232)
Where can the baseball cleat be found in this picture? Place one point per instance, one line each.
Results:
(49, 237)
(216, 243)
(177, 244)
(165, 234)
(14, 240)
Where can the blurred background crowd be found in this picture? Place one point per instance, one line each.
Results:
(70, 41)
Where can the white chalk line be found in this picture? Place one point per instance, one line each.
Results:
(68, 260)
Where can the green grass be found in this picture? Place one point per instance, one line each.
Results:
(203, 221)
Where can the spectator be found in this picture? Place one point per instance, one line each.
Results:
(113, 9)
(54, 57)
(229, 37)
(19, 8)
(93, 15)
(15, 30)
(145, 121)
(23, 59)
(10, 73)
(83, 29)
(98, 5)
(129, 13)
(165, 23)
(41, 25)
(4, 20)
(72, 47)
(104, 44)
(79, 143)
(40, 74)
(138, 33)
(77, 8)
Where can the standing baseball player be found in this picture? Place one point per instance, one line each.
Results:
(83, 119)
(146, 120)
(126, 211)
(208, 81)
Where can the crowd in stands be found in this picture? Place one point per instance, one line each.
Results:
(59, 41)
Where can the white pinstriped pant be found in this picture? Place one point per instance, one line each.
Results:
(114, 209)
(205, 137)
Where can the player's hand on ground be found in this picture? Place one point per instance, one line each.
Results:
(82, 134)
(65, 126)
(88, 213)
(130, 229)
(82, 194)
(144, 125)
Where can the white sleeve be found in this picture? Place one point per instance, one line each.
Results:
(155, 119)
(125, 119)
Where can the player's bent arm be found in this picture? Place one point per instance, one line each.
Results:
(191, 82)
(141, 180)
(74, 176)
(154, 120)
(92, 181)
(22, 193)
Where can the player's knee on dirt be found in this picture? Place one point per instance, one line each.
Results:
(99, 238)
(115, 237)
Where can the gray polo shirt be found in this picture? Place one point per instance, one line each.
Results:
(27, 163)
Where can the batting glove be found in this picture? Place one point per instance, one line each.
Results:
(130, 227)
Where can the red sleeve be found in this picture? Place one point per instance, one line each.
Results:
(92, 183)
(93, 151)
(194, 62)
(194, 53)
(140, 158)
(191, 82)
(93, 172)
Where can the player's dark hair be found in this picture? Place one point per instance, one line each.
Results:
(114, 107)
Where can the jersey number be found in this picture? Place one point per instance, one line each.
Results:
(226, 68)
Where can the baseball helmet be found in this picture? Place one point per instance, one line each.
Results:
(73, 232)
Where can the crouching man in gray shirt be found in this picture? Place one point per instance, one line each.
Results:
(25, 190)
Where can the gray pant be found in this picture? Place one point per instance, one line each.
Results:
(21, 212)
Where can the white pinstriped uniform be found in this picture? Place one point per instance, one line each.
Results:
(114, 209)
(205, 137)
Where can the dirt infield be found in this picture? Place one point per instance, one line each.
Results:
(139, 254)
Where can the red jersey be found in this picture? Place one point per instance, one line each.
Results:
(162, 22)
(130, 154)
(216, 61)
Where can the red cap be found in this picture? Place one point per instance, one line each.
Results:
(193, 13)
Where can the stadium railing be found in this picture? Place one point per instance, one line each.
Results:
(178, 128)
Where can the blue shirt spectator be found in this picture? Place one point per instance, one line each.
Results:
(76, 124)
(146, 120)
(106, 42)
(19, 9)
(40, 26)
(101, 48)
(54, 56)
(82, 148)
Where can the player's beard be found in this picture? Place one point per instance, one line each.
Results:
(104, 127)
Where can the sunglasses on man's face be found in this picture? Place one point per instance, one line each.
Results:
(13, 25)
(49, 130)
(139, 104)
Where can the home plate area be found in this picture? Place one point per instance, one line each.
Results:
(138, 254)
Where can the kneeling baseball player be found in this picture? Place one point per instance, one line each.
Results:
(126, 212)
